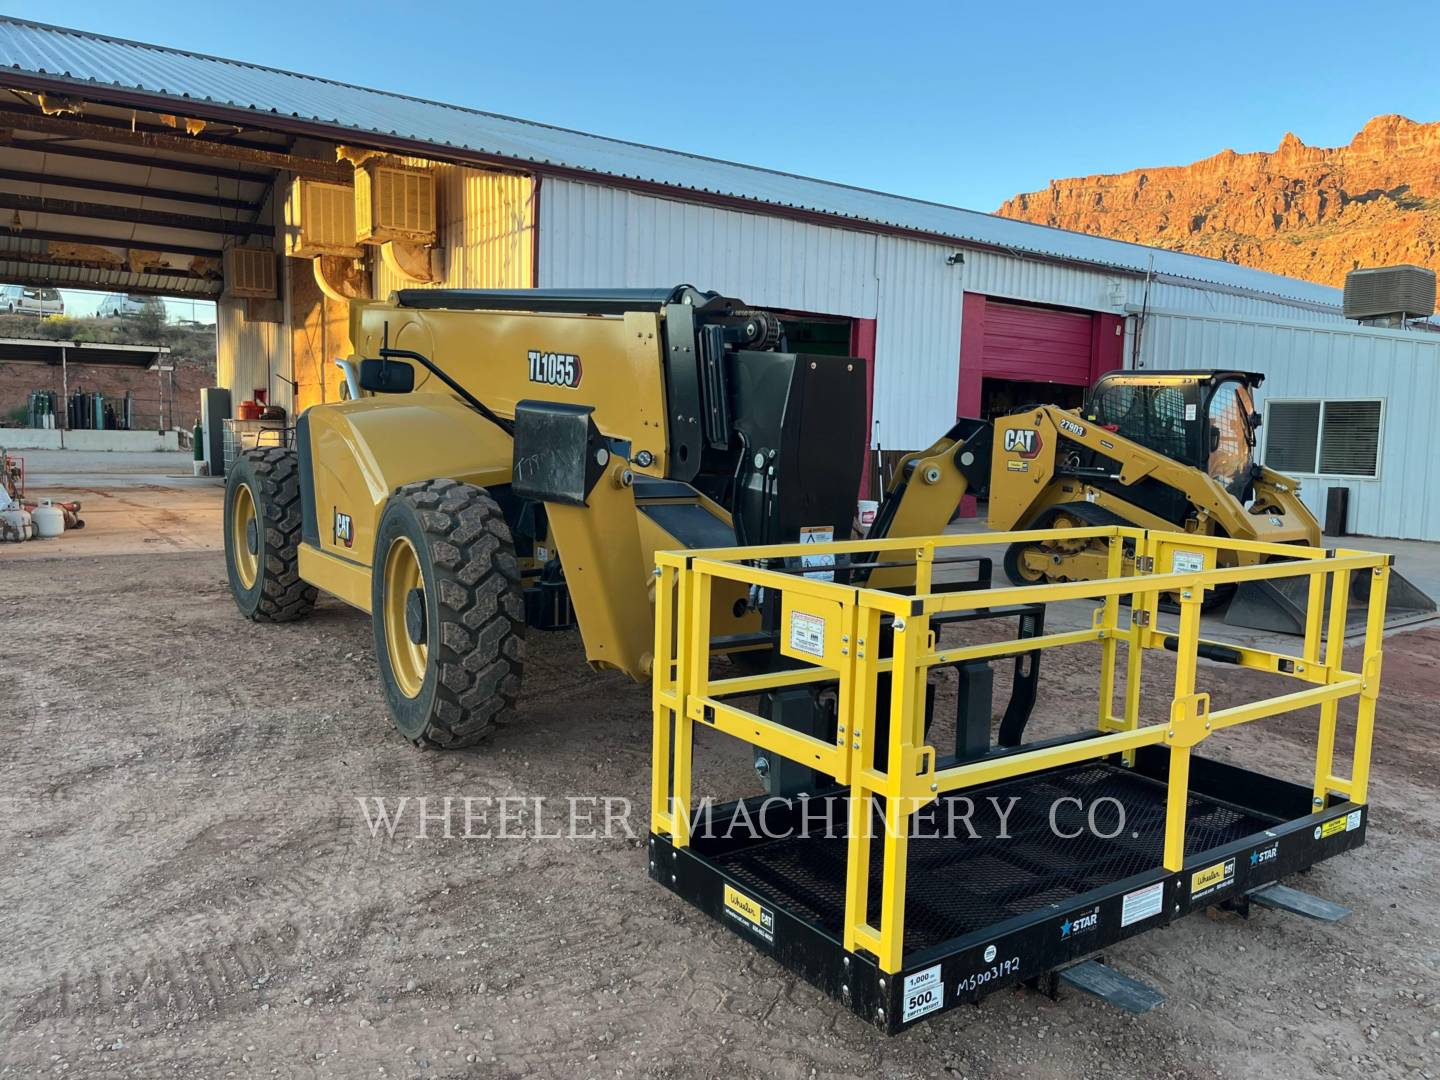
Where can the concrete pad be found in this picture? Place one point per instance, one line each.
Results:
(131, 503)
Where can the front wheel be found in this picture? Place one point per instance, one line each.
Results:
(262, 536)
(448, 613)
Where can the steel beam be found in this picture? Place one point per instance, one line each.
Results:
(176, 144)
(65, 148)
(90, 183)
(163, 219)
(113, 241)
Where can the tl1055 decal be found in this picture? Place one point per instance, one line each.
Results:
(555, 369)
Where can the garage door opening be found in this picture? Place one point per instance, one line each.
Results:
(1000, 397)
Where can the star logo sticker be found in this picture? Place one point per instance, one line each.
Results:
(1065, 928)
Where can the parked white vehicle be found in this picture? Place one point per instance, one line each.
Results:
(126, 305)
(30, 300)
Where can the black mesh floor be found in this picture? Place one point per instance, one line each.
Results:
(956, 886)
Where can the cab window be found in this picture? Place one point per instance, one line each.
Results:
(1232, 440)
(1153, 416)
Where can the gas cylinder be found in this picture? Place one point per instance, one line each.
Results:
(48, 519)
(15, 525)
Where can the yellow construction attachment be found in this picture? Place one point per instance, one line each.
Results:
(833, 631)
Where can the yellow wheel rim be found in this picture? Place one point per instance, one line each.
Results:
(245, 535)
(408, 656)
(1028, 572)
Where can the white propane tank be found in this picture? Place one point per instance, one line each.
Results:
(15, 524)
(49, 520)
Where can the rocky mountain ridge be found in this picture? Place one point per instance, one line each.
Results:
(1306, 211)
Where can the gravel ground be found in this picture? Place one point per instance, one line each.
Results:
(189, 888)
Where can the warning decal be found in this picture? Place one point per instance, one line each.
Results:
(1187, 562)
(1142, 903)
(807, 633)
(818, 534)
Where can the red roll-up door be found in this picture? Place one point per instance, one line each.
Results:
(1031, 344)
(1034, 344)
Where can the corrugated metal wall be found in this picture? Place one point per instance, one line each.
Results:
(592, 236)
(248, 353)
(1041, 282)
(917, 343)
(1402, 368)
(486, 232)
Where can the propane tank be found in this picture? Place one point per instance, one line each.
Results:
(48, 519)
(15, 525)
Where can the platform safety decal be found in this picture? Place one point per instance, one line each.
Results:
(1349, 823)
(752, 914)
(1142, 903)
(807, 633)
(1212, 879)
(924, 993)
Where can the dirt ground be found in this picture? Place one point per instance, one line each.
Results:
(189, 889)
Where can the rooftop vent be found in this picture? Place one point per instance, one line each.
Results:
(1388, 295)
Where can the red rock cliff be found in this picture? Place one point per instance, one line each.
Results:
(1306, 211)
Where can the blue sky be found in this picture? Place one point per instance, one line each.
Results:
(959, 103)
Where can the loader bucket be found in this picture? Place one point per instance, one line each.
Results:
(1279, 605)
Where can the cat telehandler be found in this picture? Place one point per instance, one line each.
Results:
(514, 459)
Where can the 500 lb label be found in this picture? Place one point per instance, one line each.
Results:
(924, 993)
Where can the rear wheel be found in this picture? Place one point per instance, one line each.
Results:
(262, 536)
(448, 613)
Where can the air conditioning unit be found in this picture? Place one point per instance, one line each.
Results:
(320, 220)
(250, 272)
(1394, 293)
(394, 202)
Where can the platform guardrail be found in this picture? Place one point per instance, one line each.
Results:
(833, 629)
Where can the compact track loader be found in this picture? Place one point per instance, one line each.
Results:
(1168, 450)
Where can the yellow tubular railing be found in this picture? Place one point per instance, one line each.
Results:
(845, 651)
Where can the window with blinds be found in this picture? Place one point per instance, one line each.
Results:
(1323, 438)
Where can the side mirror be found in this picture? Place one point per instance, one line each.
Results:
(386, 377)
(1256, 420)
(1214, 438)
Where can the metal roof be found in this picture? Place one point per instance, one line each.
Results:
(46, 351)
(174, 79)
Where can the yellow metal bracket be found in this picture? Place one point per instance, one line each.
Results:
(1189, 720)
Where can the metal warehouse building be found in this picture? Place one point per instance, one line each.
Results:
(135, 167)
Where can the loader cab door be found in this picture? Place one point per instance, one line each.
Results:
(1231, 450)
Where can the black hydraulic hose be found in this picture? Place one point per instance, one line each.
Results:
(470, 399)
(737, 519)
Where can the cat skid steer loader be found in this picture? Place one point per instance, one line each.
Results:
(1164, 450)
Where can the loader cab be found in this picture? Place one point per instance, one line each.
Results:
(1204, 419)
